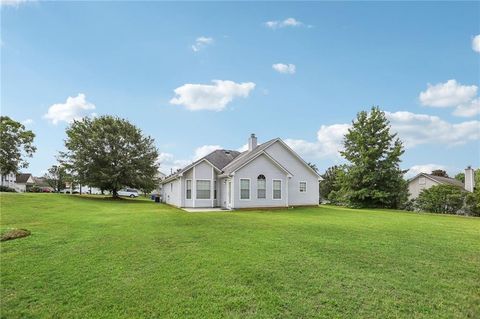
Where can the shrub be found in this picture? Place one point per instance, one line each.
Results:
(35, 189)
(6, 189)
(472, 203)
(443, 199)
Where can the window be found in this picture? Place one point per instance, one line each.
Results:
(203, 189)
(214, 189)
(303, 187)
(261, 186)
(171, 187)
(244, 188)
(188, 194)
(277, 189)
(421, 181)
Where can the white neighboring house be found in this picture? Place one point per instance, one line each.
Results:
(24, 181)
(424, 181)
(266, 175)
(19, 182)
(8, 180)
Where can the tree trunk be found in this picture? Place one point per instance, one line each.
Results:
(114, 193)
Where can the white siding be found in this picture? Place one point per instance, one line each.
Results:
(171, 192)
(415, 188)
(300, 173)
(260, 165)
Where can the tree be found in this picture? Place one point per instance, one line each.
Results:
(460, 177)
(443, 199)
(374, 177)
(330, 184)
(110, 153)
(57, 177)
(439, 172)
(16, 145)
(313, 166)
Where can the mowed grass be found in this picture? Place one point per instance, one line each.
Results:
(92, 258)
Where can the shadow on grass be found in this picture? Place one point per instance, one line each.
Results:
(107, 198)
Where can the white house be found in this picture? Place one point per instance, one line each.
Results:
(424, 181)
(23, 182)
(266, 175)
(8, 179)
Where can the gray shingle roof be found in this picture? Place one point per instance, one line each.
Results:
(218, 158)
(22, 178)
(245, 157)
(446, 180)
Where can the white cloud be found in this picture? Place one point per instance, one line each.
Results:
(168, 163)
(476, 43)
(284, 68)
(201, 43)
(27, 122)
(452, 94)
(242, 148)
(413, 129)
(425, 168)
(73, 109)
(468, 110)
(212, 97)
(416, 129)
(205, 150)
(288, 22)
(448, 94)
(14, 3)
(329, 142)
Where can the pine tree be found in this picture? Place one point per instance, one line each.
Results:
(374, 177)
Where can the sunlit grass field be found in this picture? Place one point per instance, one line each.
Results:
(90, 257)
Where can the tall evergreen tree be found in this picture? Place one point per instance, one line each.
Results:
(110, 153)
(374, 177)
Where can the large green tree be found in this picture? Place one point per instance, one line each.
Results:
(330, 184)
(373, 177)
(57, 177)
(16, 145)
(110, 153)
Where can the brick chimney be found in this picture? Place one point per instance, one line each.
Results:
(252, 142)
(469, 179)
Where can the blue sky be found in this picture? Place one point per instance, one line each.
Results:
(196, 76)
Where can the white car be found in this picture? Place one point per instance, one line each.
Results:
(128, 192)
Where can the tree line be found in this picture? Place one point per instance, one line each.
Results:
(110, 153)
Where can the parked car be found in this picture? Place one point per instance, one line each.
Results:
(128, 192)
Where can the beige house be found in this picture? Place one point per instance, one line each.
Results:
(424, 181)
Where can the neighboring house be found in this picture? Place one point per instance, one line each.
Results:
(41, 182)
(266, 175)
(160, 177)
(23, 182)
(424, 181)
(8, 180)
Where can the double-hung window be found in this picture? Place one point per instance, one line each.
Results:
(244, 188)
(261, 187)
(189, 189)
(203, 189)
(277, 189)
(303, 187)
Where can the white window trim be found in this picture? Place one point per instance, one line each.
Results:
(306, 186)
(265, 188)
(240, 189)
(191, 189)
(273, 189)
(210, 189)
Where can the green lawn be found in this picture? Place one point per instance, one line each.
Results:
(90, 258)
